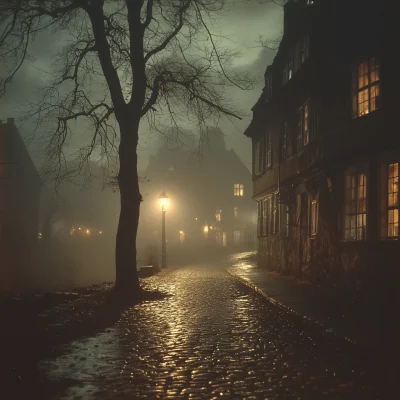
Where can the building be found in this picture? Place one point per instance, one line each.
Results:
(326, 148)
(210, 196)
(19, 203)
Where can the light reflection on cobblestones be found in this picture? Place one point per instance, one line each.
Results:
(209, 339)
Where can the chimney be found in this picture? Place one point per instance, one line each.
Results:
(10, 121)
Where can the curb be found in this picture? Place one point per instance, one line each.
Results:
(289, 310)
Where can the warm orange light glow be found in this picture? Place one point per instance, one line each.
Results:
(163, 200)
(87, 231)
(206, 229)
(80, 228)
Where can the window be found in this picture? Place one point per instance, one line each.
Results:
(238, 189)
(366, 97)
(285, 75)
(258, 157)
(218, 215)
(296, 57)
(284, 223)
(356, 206)
(303, 127)
(275, 214)
(314, 218)
(284, 142)
(393, 200)
(264, 215)
(304, 49)
(259, 218)
(235, 212)
(268, 151)
(268, 228)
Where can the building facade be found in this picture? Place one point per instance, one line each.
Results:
(19, 205)
(209, 196)
(326, 150)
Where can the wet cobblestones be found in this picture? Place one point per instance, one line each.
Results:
(210, 339)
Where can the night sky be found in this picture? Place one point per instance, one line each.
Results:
(242, 25)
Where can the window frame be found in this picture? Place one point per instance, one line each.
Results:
(259, 218)
(393, 208)
(284, 139)
(367, 87)
(352, 203)
(238, 189)
(268, 151)
(258, 157)
(303, 134)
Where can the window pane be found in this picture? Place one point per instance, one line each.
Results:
(374, 70)
(363, 75)
(363, 107)
(374, 93)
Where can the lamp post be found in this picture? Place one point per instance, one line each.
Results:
(163, 202)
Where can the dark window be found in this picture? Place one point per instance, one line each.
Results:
(268, 150)
(258, 157)
(303, 126)
(284, 142)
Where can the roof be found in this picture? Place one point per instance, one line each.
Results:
(13, 150)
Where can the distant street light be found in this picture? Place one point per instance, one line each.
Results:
(163, 202)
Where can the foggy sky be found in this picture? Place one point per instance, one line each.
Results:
(242, 25)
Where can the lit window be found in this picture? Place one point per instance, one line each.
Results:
(268, 151)
(303, 126)
(393, 200)
(235, 212)
(356, 207)
(366, 96)
(314, 217)
(238, 189)
(218, 215)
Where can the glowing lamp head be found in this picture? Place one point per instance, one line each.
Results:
(163, 200)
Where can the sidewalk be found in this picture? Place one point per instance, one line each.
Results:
(362, 325)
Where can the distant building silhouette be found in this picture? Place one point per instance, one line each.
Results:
(326, 147)
(19, 203)
(210, 195)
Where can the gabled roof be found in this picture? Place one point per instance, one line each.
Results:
(14, 152)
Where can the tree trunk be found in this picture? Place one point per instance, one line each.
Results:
(127, 281)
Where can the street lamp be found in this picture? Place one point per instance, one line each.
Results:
(163, 202)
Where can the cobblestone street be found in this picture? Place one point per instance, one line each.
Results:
(209, 338)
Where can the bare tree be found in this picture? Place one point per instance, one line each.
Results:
(120, 61)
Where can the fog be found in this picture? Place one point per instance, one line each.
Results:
(78, 218)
